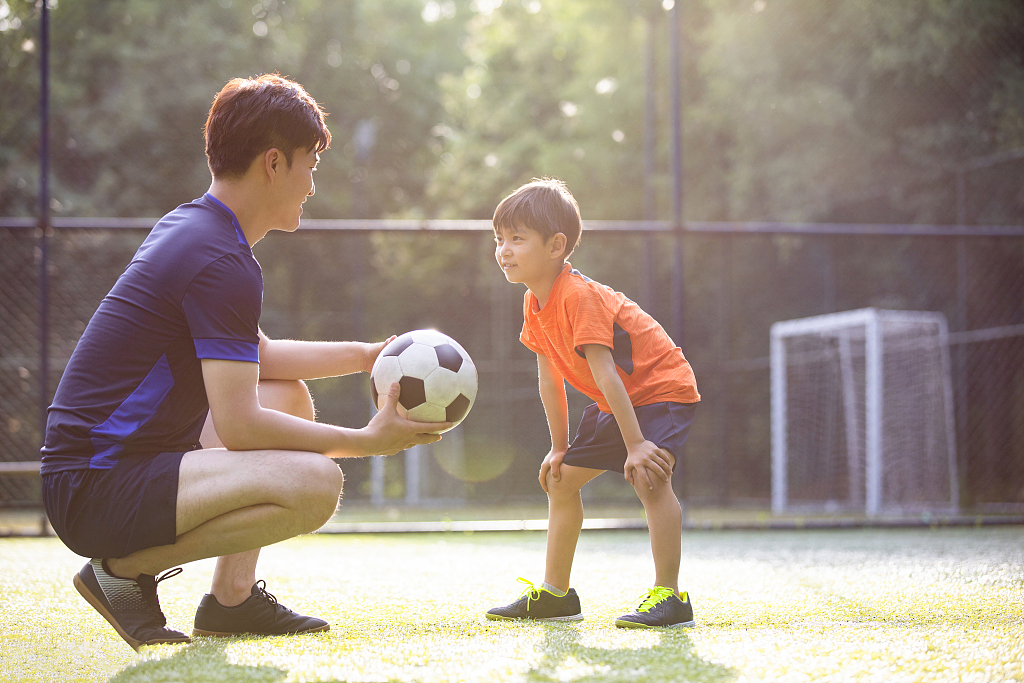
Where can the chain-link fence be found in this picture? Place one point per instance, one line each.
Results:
(356, 284)
(894, 131)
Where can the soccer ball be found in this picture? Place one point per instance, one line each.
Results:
(437, 376)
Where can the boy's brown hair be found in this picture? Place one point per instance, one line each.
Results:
(545, 206)
(251, 115)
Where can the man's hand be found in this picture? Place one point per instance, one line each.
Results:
(388, 432)
(552, 463)
(645, 459)
(371, 351)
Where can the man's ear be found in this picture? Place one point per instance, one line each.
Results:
(272, 160)
(558, 241)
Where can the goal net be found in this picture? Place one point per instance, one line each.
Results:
(862, 414)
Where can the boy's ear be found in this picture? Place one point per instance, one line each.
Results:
(558, 241)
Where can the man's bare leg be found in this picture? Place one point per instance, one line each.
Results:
(235, 574)
(233, 503)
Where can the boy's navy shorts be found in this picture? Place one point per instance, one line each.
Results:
(115, 512)
(599, 444)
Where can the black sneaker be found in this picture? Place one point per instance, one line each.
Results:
(659, 607)
(260, 614)
(540, 604)
(131, 606)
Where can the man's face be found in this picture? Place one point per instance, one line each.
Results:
(296, 184)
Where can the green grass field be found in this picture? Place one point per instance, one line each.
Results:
(856, 605)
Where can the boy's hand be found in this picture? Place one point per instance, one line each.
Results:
(644, 459)
(552, 463)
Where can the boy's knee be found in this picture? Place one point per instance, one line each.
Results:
(563, 486)
(659, 487)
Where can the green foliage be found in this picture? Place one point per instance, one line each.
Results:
(853, 111)
(555, 89)
(132, 81)
(795, 109)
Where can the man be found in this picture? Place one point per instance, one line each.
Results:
(174, 358)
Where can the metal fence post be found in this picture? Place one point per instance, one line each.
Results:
(44, 218)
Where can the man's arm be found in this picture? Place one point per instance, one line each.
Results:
(552, 395)
(292, 359)
(642, 455)
(243, 425)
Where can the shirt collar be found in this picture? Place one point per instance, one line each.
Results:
(234, 219)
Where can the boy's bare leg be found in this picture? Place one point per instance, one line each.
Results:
(565, 521)
(665, 522)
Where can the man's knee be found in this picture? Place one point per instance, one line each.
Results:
(323, 483)
(321, 476)
(287, 396)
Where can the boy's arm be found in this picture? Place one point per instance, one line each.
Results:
(552, 395)
(642, 455)
(292, 359)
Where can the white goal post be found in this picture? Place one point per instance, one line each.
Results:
(862, 413)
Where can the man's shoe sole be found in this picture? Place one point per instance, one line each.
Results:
(622, 623)
(498, 617)
(218, 634)
(97, 604)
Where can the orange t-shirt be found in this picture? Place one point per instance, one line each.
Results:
(581, 311)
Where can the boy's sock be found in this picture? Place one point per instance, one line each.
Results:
(551, 589)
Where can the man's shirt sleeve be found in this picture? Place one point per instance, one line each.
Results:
(222, 306)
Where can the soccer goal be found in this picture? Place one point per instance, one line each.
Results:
(862, 413)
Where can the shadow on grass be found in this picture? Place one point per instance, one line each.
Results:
(204, 659)
(672, 657)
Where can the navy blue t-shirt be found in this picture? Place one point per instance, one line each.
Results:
(134, 383)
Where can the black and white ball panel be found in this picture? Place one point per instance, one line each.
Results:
(437, 376)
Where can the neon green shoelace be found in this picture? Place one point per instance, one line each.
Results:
(534, 591)
(653, 597)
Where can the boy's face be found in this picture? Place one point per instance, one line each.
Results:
(525, 256)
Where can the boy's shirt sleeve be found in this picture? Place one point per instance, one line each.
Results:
(590, 319)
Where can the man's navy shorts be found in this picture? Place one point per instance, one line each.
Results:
(115, 512)
(599, 444)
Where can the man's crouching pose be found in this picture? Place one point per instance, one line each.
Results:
(179, 431)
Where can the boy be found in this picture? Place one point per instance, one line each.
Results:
(179, 431)
(644, 397)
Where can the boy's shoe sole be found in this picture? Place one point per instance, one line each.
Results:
(98, 603)
(622, 623)
(498, 617)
